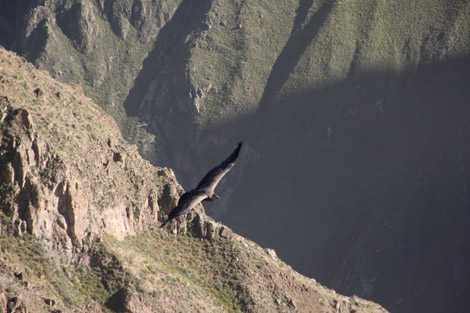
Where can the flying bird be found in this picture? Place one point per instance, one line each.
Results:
(205, 189)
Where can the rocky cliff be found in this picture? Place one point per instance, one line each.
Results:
(79, 221)
(354, 114)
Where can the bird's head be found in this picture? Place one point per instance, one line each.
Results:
(215, 197)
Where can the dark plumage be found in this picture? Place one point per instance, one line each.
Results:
(205, 189)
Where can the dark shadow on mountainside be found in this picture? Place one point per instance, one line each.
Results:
(364, 185)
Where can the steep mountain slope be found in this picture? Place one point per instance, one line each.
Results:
(79, 221)
(97, 44)
(371, 159)
(365, 145)
(354, 114)
(140, 56)
(387, 184)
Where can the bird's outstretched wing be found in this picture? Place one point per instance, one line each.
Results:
(212, 178)
(185, 204)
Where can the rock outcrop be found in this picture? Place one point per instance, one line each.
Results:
(67, 173)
